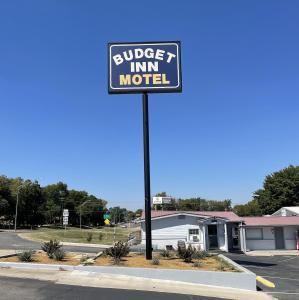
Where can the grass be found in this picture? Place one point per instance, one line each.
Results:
(104, 235)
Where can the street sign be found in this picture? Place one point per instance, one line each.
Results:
(107, 222)
(150, 67)
(65, 220)
(107, 216)
(65, 213)
(161, 200)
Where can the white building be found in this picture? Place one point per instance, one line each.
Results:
(206, 230)
(269, 233)
(222, 230)
(287, 211)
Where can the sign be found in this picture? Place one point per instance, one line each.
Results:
(107, 222)
(107, 216)
(65, 213)
(65, 220)
(150, 67)
(161, 200)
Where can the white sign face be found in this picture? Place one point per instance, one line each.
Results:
(65, 212)
(65, 220)
(161, 200)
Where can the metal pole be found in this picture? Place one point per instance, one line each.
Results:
(80, 217)
(16, 215)
(147, 183)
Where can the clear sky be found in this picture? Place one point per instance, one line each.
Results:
(236, 121)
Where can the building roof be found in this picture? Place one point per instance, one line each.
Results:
(294, 209)
(271, 221)
(231, 216)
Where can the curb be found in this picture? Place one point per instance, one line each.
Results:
(235, 280)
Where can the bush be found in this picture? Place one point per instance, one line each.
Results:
(101, 235)
(186, 253)
(196, 264)
(89, 237)
(155, 261)
(118, 251)
(165, 253)
(50, 247)
(26, 256)
(198, 254)
(59, 254)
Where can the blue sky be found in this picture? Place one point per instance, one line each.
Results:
(235, 122)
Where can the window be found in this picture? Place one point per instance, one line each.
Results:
(254, 233)
(193, 231)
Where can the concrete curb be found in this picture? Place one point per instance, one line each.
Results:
(237, 280)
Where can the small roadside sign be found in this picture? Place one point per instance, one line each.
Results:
(107, 216)
(107, 222)
(65, 213)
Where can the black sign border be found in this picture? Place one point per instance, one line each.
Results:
(145, 90)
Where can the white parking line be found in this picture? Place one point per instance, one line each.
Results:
(283, 278)
(287, 259)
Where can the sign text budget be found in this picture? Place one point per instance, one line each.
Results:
(144, 67)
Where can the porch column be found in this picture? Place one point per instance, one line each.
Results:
(225, 238)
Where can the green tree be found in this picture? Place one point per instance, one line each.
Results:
(55, 196)
(279, 189)
(251, 208)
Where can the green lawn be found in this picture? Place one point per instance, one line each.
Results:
(74, 235)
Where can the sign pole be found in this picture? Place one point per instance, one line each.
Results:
(147, 183)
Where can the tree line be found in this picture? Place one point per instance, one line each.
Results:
(279, 189)
(194, 204)
(39, 205)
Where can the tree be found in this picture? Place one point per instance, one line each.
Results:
(55, 196)
(279, 189)
(251, 208)
(30, 203)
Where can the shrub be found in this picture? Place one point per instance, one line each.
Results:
(155, 261)
(89, 237)
(196, 264)
(198, 254)
(165, 253)
(59, 254)
(26, 256)
(118, 251)
(101, 235)
(50, 247)
(186, 253)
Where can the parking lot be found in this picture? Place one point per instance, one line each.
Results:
(283, 271)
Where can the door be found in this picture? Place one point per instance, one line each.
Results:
(279, 238)
(213, 238)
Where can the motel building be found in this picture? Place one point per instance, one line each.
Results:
(223, 230)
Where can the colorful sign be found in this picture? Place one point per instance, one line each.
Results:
(107, 216)
(151, 67)
(107, 222)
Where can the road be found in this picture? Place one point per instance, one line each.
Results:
(281, 270)
(28, 289)
(10, 240)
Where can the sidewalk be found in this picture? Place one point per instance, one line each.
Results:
(91, 279)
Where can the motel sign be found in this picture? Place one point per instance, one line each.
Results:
(144, 67)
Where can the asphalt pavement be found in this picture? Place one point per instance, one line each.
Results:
(283, 271)
(11, 240)
(25, 289)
